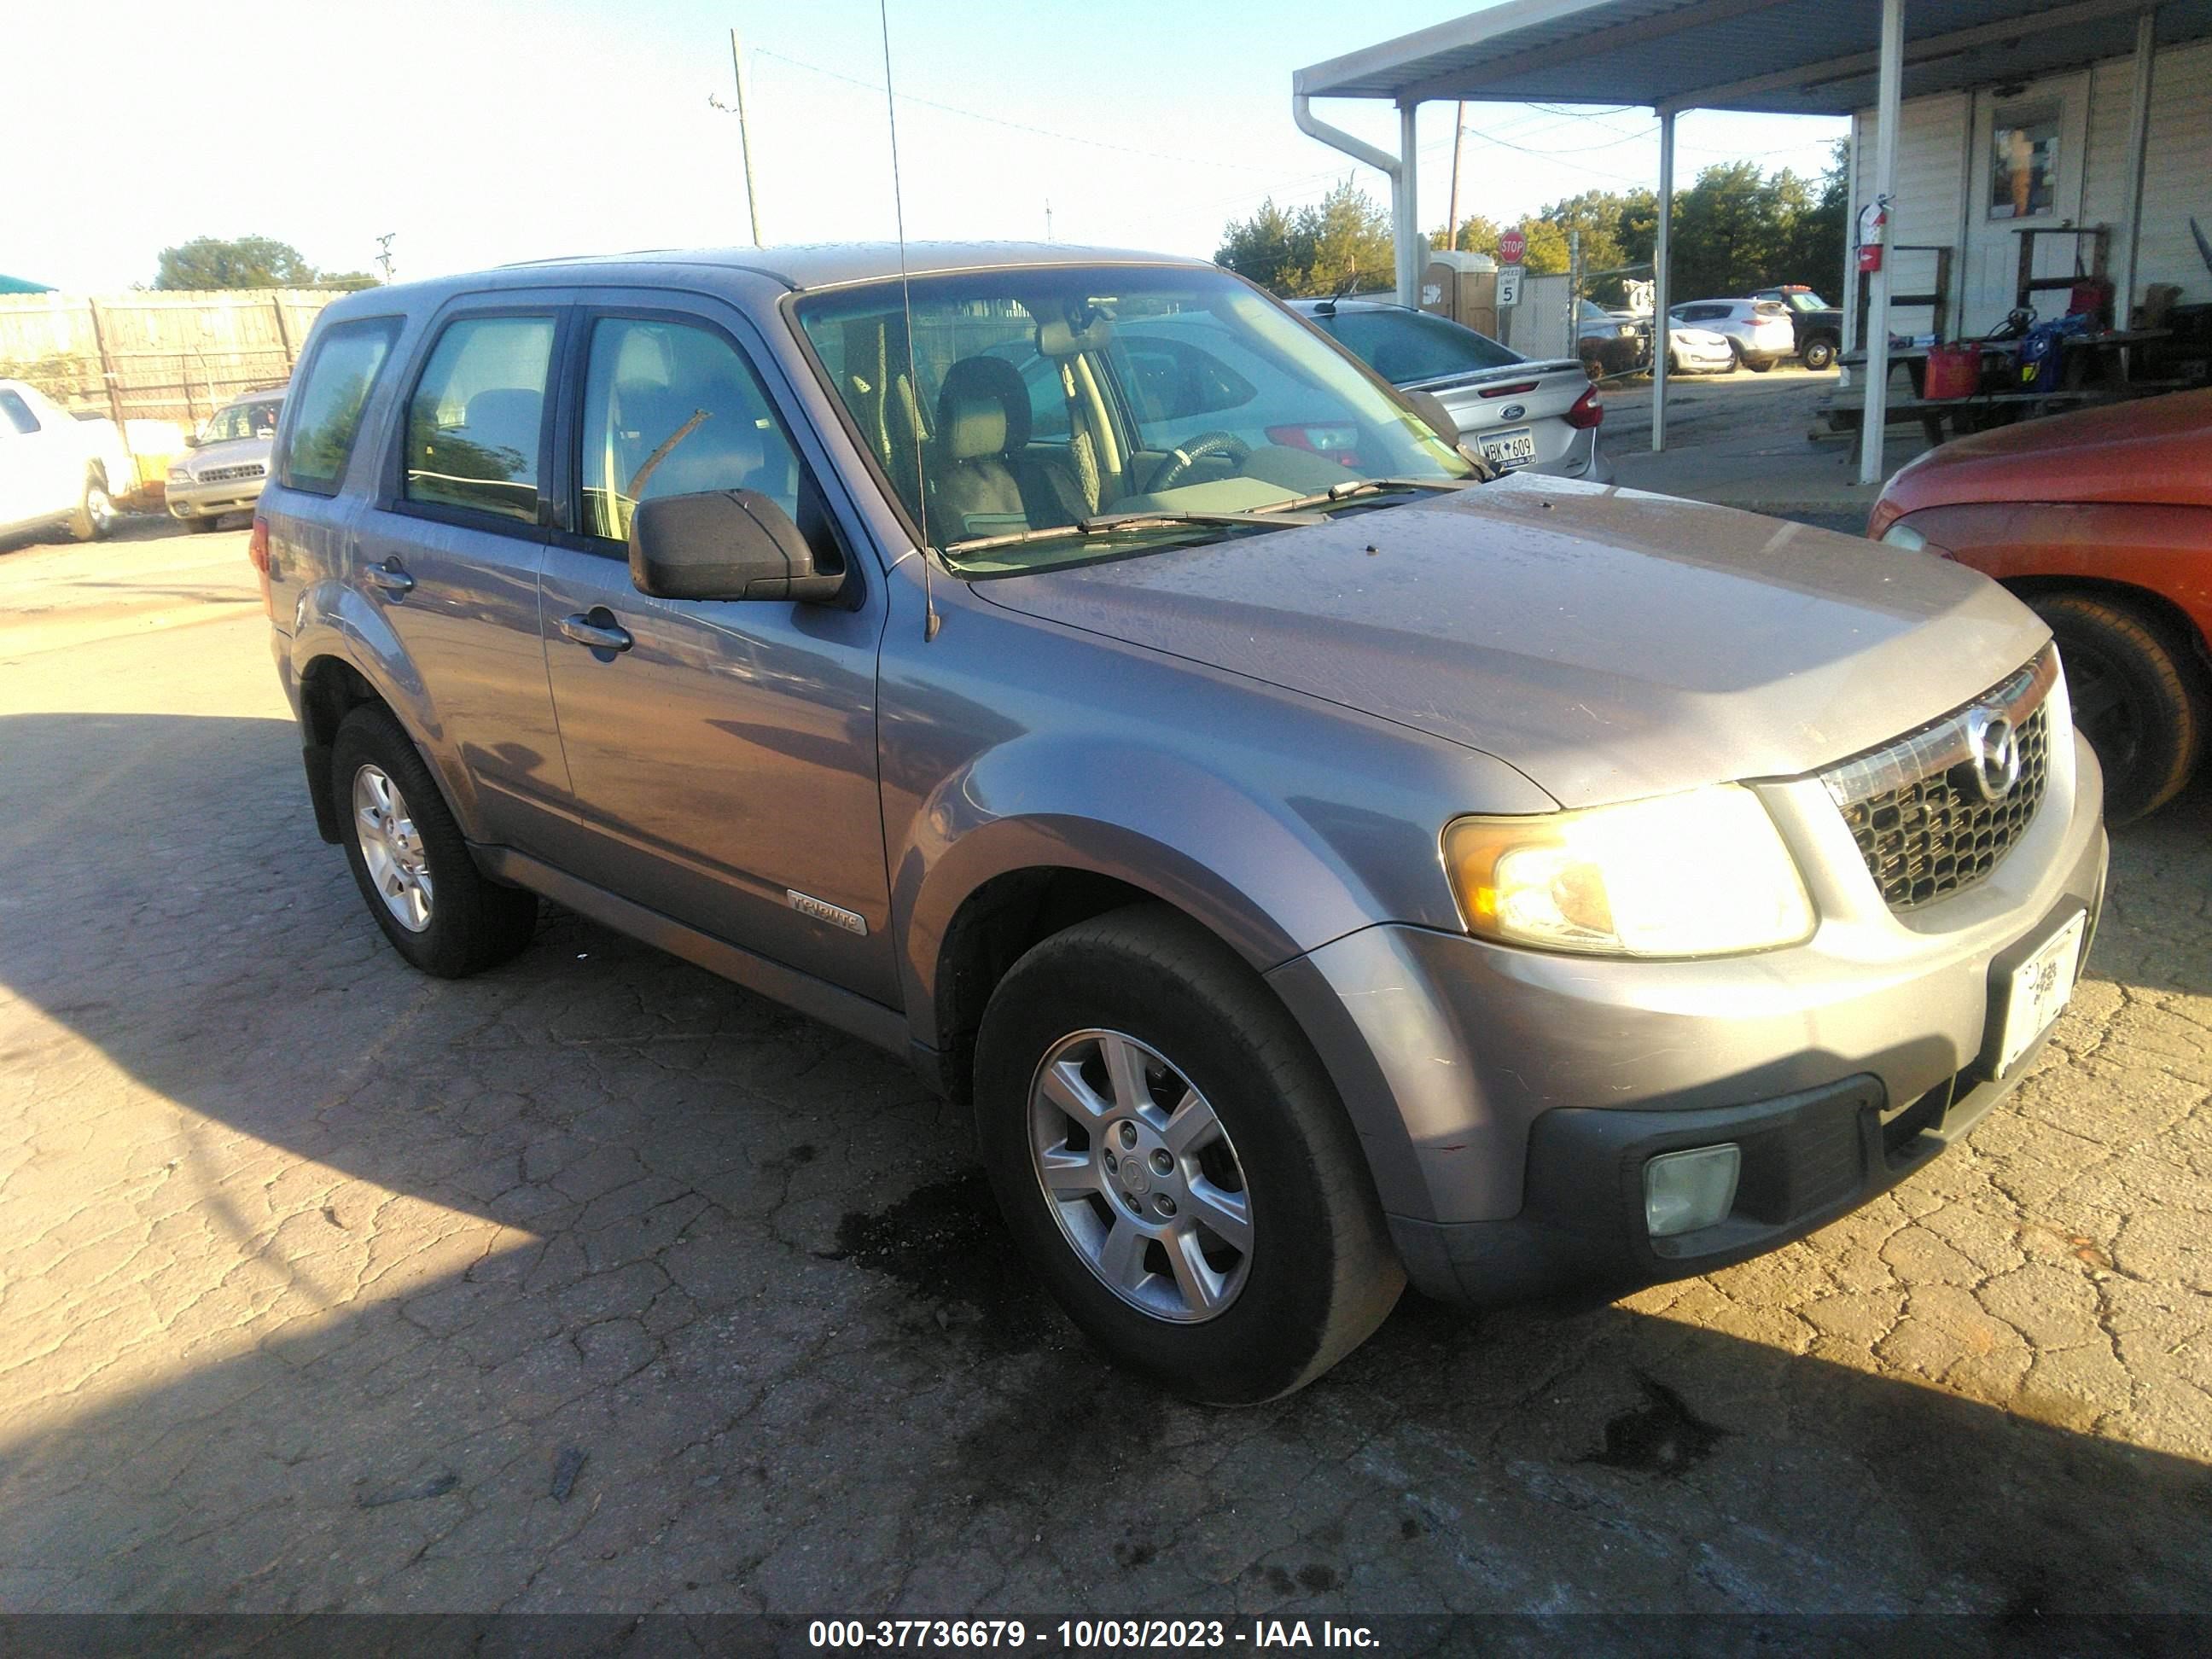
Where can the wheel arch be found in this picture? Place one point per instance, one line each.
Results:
(2154, 607)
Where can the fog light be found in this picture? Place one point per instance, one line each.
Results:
(1685, 1191)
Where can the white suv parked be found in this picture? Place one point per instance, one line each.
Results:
(1760, 329)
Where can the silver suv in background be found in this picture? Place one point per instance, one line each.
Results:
(229, 461)
(1312, 875)
(1522, 414)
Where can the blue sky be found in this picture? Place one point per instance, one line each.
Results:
(482, 131)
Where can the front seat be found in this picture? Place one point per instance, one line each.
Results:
(987, 483)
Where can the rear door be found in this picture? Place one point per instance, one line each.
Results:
(722, 753)
(450, 550)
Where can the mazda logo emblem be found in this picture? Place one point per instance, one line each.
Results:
(1512, 411)
(1993, 752)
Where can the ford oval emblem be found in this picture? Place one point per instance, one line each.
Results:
(1512, 411)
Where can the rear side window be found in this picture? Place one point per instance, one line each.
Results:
(327, 407)
(475, 420)
(17, 413)
(1404, 347)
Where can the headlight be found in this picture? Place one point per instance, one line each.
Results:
(178, 474)
(1699, 874)
(1904, 536)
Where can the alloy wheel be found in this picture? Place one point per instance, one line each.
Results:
(1141, 1176)
(392, 849)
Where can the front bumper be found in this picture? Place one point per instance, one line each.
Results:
(1503, 1096)
(210, 501)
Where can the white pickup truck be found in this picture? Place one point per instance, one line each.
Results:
(56, 469)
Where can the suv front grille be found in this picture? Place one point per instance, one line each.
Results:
(230, 474)
(1921, 820)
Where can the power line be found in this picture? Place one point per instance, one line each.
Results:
(1000, 121)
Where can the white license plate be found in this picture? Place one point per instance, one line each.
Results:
(2040, 988)
(1514, 446)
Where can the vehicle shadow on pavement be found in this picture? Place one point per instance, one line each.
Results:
(598, 1284)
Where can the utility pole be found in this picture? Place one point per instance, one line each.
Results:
(1048, 219)
(384, 252)
(744, 135)
(1459, 128)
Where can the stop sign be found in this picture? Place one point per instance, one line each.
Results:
(1511, 246)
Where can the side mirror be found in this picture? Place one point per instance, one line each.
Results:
(1427, 406)
(724, 544)
(191, 440)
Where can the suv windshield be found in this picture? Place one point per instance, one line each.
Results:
(1038, 399)
(256, 419)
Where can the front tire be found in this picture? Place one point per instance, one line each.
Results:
(408, 859)
(200, 526)
(2136, 697)
(1174, 1162)
(95, 512)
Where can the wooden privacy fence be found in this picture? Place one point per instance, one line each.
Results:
(155, 355)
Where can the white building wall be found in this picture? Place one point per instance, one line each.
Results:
(1944, 171)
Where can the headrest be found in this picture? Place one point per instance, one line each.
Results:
(505, 414)
(982, 409)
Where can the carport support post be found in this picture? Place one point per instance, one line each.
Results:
(2124, 292)
(1662, 279)
(1406, 211)
(1876, 419)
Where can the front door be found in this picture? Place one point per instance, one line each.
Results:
(722, 753)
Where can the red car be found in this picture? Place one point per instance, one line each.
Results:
(2102, 521)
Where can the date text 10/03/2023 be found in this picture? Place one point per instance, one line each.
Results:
(1087, 1635)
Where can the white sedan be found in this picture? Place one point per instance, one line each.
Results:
(1698, 351)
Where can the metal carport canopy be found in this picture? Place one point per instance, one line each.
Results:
(1778, 57)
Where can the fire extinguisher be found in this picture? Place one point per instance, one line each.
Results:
(1874, 223)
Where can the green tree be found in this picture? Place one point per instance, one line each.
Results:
(215, 262)
(1341, 243)
(1258, 249)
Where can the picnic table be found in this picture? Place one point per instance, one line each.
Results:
(2089, 368)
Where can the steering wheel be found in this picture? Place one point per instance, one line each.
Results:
(1179, 461)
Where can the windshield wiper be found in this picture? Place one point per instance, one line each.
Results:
(1353, 488)
(1109, 523)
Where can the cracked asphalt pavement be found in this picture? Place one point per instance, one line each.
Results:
(597, 1283)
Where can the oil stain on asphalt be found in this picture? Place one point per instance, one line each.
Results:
(1662, 1436)
(946, 1244)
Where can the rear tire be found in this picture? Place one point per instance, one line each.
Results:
(95, 511)
(440, 913)
(1761, 367)
(2138, 697)
(1819, 354)
(1315, 1274)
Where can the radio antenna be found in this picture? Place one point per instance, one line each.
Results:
(931, 620)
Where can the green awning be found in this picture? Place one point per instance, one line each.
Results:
(21, 285)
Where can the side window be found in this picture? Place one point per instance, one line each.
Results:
(339, 379)
(672, 410)
(474, 423)
(18, 413)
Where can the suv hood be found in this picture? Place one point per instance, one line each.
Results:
(2156, 451)
(1609, 644)
(231, 451)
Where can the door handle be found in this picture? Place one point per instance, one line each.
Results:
(597, 629)
(389, 576)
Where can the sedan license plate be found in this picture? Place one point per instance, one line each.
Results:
(1514, 446)
(2040, 988)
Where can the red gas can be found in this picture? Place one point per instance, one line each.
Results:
(1953, 371)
